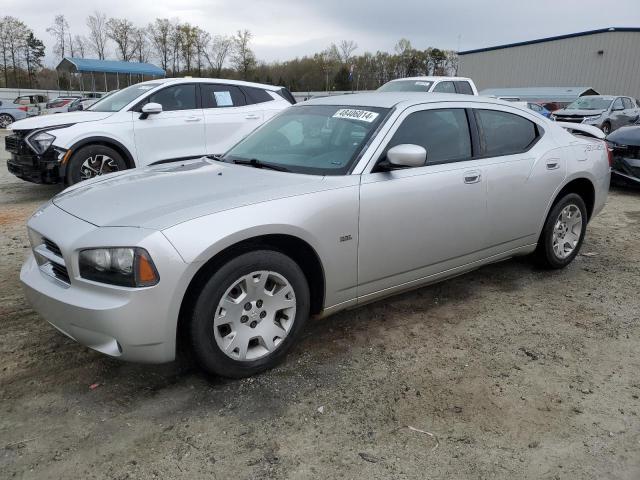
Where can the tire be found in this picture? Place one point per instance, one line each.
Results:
(560, 240)
(606, 128)
(92, 161)
(228, 334)
(5, 120)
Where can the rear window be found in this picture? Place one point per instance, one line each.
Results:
(257, 95)
(464, 88)
(505, 133)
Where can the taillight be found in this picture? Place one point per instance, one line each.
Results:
(609, 153)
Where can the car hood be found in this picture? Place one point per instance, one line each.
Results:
(579, 113)
(629, 135)
(43, 121)
(161, 196)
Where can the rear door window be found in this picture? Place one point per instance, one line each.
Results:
(444, 133)
(503, 133)
(464, 87)
(445, 87)
(256, 95)
(221, 96)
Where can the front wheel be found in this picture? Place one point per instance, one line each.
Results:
(606, 128)
(563, 232)
(92, 161)
(249, 314)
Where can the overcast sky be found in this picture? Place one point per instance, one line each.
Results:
(284, 29)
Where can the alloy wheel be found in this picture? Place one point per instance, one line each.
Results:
(5, 120)
(254, 315)
(96, 165)
(567, 231)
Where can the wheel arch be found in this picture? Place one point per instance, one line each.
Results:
(295, 247)
(107, 142)
(581, 186)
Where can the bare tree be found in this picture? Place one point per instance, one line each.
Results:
(60, 31)
(97, 24)
(160, 33)
(201, 42)
(175, 40)
(218, 52)
(243, 57)
(121, 31)
(80, 46)
(345, 50)
(141, 47)
(15, 35)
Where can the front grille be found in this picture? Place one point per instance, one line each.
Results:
(569, 119)
(16, 143)
(60, 272)
(52, 247)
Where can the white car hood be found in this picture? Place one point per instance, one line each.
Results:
(43, 121)
(161, 196)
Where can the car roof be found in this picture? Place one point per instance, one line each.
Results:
(212, 80)
(392, 99)
(430, 79)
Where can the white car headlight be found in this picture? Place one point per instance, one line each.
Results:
(40, 142)
(592, 118)
(553, 117)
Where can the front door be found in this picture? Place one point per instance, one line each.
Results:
(176, 132)
(418, 222)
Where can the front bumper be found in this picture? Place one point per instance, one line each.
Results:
(35, 168)
(133, 324)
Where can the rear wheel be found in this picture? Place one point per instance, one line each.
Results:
(5, 120)
(249, 314)
(92, 161)
(563, 232)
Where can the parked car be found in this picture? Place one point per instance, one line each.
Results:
(335, 202)
(530, 105)
(35, 103)
(146, 123)
(80, 104)
(10, 112)
(625, 144)
(59, 105)
(431, 84)
(607, 112)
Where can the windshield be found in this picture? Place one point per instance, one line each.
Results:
(118, 100)
(406, 86)
(590, 103)
(314, 139)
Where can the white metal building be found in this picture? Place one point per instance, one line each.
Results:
(608, 60)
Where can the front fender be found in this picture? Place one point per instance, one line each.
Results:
(327, 221)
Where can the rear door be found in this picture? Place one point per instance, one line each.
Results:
(228, 116)
(176, 132)
(526, 168)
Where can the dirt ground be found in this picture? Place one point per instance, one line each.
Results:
(508, 372)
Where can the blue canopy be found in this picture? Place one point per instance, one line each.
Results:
(75, 65)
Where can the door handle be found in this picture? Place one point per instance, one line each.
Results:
(192, 119)
(553, 165)
(472, 177)
(252, 117)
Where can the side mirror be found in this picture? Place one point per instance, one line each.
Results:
(150, 109)
(407, 155)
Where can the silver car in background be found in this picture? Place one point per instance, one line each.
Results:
(333, 203)
(10, 112)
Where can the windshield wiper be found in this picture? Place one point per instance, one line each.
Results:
(254, 162)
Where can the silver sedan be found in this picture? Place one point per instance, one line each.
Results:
(333, 203)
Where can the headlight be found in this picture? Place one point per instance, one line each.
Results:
(592, 118)
(126, 267)
(553, 117)
(40, 142)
